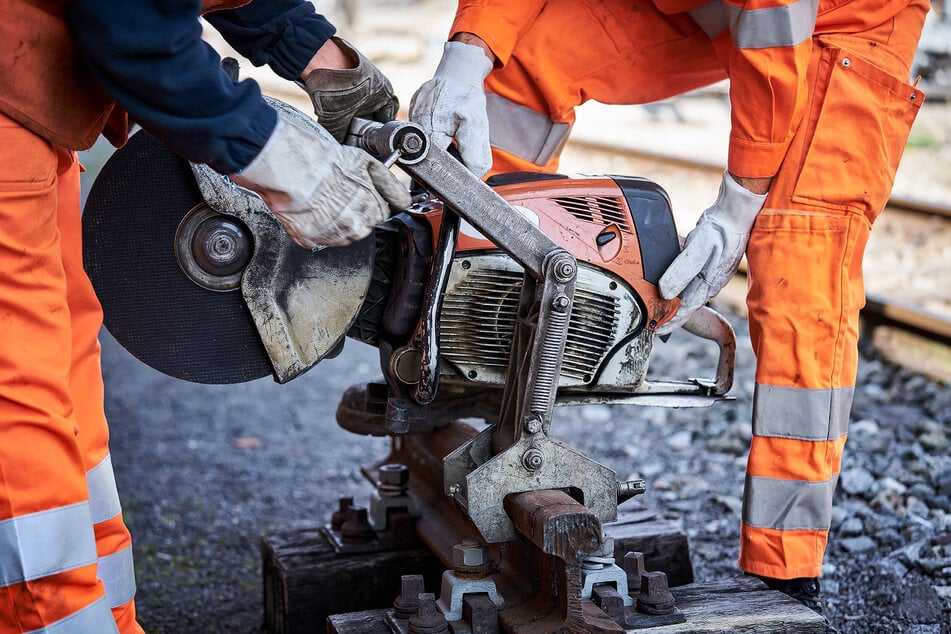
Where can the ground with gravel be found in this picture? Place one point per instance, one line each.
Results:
(204, 471)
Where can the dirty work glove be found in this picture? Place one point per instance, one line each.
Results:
(712, 251)
(324, 193)
(451, 105)
(341, 95)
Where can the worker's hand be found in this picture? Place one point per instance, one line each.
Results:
(324, 193)
(712, 251)
(451, 105)
(339, 95)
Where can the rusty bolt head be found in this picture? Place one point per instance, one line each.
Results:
(338, 516)
(655, 597)
(533, 424)
(407, 602)
(428, 619)
(356, 526)
(634, 567)
(411, 143)
(470, 554)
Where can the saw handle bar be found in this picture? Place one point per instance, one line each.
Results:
(396, 141)
(707, 323)
(458, 188)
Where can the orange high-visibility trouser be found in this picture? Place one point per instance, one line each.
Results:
(805, 251)
(65, 553)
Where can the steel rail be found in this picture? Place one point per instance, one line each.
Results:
(915, 206)
(879, 311)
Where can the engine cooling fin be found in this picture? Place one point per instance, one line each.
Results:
(481, 304)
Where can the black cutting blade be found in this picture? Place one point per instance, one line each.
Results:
(157, 313)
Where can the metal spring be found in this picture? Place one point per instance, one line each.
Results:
(548, 364)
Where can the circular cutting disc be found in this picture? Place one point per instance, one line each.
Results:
(165, 319)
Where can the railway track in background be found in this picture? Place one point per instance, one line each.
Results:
(879, 310)
(918, 207)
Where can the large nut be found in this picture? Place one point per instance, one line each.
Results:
(470, 554)
(394, 475)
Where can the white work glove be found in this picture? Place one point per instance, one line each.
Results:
(451, 105)
(324, 193)
(712, 251)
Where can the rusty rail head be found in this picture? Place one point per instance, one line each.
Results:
(556, 523)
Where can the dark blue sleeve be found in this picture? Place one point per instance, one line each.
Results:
(150, 56)
(284, 34)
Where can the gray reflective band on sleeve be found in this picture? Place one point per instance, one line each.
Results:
(45, 543)
(103, 496)
(803, 414)
(788, 504)
(523, 132)
(118, 576)
(779, 26)
(95, 618)
(710, 17)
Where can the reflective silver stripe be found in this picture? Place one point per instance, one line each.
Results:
(95, 618)
(118, 576)
(778, 26)
(103, 496)
(788, 504)
(800, 413)
(710, 17)
(45, 543)
(523, 132)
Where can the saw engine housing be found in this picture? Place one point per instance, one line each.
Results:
(620, 230)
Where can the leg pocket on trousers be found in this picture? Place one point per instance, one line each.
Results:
(27, 161)
(858, 119)
(805, 273)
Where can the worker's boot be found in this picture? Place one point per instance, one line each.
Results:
(363, 407)
(805, 590)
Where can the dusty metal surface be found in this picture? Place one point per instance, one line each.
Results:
(303, 302)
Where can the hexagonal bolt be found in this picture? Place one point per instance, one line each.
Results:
(411, 143)
(394, 480)
(407, 603)
(655, 597)
(533, 424)
(634, 567)
(428, 619)
(469, 553)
